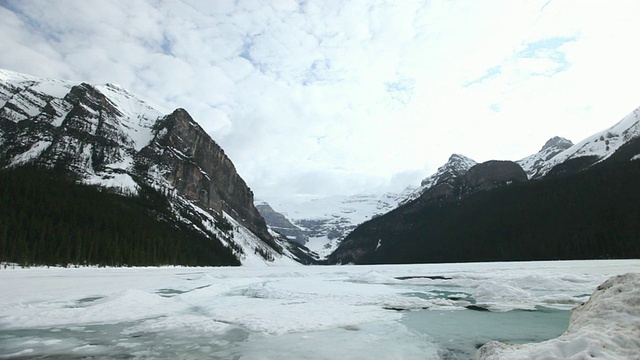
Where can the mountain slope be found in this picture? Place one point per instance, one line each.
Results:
(48, 218)
(104, 136)
(534, 163)
(455, 167)
(594, 149)
(580, 206)
(591, 214)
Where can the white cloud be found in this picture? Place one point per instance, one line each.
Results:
(345, 96)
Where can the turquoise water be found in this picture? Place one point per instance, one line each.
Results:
(460, 333)
(425, 334)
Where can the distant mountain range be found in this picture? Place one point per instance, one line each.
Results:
(102, 135)
(321, 223)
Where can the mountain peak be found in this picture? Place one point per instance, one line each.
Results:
(458, 159)
(594, 149)
(557, 142)
(533, 164)
(455, 166)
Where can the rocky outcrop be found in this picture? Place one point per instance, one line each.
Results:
(556, 144)
(492, 174)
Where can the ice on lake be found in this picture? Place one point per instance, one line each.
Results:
(357, 312)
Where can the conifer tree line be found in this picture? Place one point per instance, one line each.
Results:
(47, 218)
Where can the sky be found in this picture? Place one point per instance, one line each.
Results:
(312, 98)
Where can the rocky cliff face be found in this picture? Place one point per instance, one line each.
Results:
(200, 170)
(83, 131)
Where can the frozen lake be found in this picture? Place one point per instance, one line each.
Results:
(353, 312)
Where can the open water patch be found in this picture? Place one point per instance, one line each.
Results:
(461, 332)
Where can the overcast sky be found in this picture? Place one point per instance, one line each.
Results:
(319, 97)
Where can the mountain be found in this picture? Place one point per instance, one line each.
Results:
(534, 164)
(104, 136)
(580, 204)
(323, 222)
(592, 150)
(461, 176)
(280, 223)
(446, 176)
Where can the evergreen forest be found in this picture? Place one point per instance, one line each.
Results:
(47, 218)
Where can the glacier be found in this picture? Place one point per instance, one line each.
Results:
(426, 311)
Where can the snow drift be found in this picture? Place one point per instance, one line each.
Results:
(605, 327)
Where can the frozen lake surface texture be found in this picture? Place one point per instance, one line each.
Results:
(436, 311)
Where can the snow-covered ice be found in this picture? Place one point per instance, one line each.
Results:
(356, 312)
(605, 327)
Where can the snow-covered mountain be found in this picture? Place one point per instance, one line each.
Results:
(110, 138)
(555, 151)
(533, 164)
(279, 223)
(325, 221)
(588, 152)
(456, 166)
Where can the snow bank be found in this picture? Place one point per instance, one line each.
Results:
(605, 327)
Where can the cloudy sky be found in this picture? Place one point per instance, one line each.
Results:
(318, 97)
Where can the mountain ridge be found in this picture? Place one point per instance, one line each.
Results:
(445, 212)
